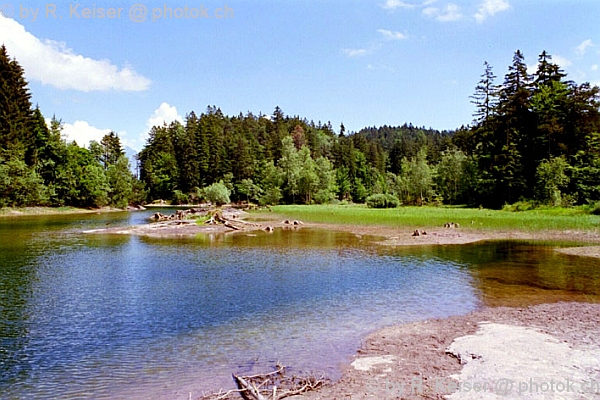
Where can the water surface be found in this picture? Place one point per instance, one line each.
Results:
(106, 316)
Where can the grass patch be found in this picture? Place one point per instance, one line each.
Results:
(427, 217)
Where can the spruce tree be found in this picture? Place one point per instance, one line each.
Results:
(16, 115)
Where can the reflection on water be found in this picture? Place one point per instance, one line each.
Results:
(93, 316)
(521, 273)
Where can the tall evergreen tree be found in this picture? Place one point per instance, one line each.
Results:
(112, 149)
(16, 115)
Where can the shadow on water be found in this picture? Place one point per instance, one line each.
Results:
(105, 316)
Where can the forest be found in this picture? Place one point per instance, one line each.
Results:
(533, 138)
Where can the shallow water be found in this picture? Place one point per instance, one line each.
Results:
(98, 316)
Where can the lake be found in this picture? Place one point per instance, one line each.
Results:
(87, 316)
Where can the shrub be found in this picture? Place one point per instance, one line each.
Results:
(271, 197)
(595, 209)
(521, 206)
(217, 193)
(382, 201)
(180, 198)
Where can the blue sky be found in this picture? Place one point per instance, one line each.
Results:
(363, 63)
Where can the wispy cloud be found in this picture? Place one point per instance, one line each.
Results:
(53, 63)
(449, 13)
(395, 4)
(489, 8)
(355, 52)
(583, 47)
(561, 61)
(392, 35)
(380, 67)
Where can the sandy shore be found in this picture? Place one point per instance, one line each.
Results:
(495, 353)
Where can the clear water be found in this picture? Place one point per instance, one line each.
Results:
(109, 316)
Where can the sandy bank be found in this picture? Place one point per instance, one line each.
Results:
(495, 353)
(586, 251)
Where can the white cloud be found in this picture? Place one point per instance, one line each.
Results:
(583, 47)
(489, 8)
(381, 67)
(594, 67)
(164, 114)
(449, 13)
(355, 52)
(52, 63)
(392, 35)
(561, 61)
(395, 4)
(83, 133)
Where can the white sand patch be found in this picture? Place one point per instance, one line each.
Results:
(507, 361)
(366, 363)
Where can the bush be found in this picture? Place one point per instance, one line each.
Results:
(382, 201)
(271, 197)
(217, 193)
(595, 209)
(180, 198)
(521, 206)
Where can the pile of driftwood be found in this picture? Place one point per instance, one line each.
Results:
(180, 215)
(228, 217)
(274, 385)
(231, 222)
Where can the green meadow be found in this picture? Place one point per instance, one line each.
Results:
(427, 217)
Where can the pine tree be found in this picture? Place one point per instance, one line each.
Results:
(16, 115)
(485, 97)
(111, 149)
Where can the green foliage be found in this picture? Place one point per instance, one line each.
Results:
(120, 182)
(20, 185)
(533, 137)
(527, 122)
(247, 188)
(521, 206)
(551, 180)
(453, 182)
(382, 201)
(217, 193)
(180, 198)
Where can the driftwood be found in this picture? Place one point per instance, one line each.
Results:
(451, 225)
(274, 385)
(294, 222)
(180, 214)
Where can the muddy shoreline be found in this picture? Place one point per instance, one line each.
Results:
(416, 356)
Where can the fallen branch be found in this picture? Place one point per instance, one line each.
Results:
(274, 385)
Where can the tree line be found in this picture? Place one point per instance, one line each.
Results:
(38, 167)
(534, 137)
